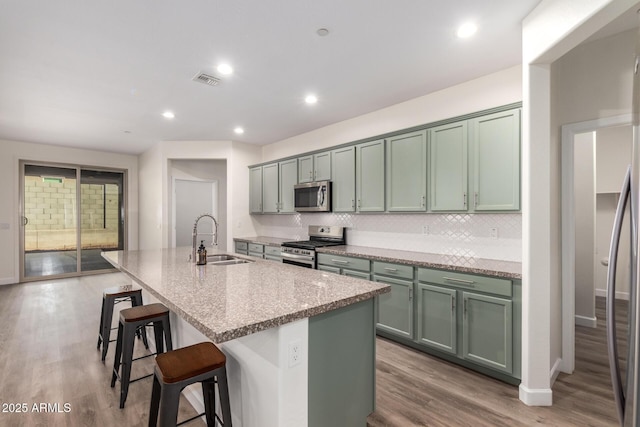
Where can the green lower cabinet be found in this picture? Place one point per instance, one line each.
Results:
(395, 309)
(436, 318)
(487, 331)
(328, 268)
(358, 274)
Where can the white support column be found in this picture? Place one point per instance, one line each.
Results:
(535, 388)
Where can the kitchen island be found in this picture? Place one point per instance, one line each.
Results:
(300, 343)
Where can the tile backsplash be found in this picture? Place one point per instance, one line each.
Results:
(451, 234)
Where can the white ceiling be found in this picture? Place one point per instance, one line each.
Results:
(98, 75)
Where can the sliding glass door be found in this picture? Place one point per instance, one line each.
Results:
(70, 215)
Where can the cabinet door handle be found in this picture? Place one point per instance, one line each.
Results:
(353, 204)
(393, 270)
(310, 174)
(410, 293)
(459, 281)
(464, 199)
(476, 200)
(339, 261)
(315, 175)
(453, 303)
(422, 201)
(359, 204)
(465, 308)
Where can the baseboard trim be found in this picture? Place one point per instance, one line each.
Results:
(555, 370)
(536, 397)
(619, 295)
(590, 322)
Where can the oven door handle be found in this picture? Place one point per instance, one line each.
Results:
(292, 256)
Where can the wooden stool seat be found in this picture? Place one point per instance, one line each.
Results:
(177, 369)
(188, 362)
(143, 312)
(120, 291)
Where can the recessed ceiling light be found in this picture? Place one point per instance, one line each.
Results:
(239, 130)
(311, 99)
(168, 115)
(467, 30)
(225, 69)
(322, 32)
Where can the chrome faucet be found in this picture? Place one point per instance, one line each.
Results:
(195, 234)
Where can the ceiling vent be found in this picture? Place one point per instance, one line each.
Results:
(207, 79)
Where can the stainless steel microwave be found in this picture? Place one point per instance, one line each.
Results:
(312, 197)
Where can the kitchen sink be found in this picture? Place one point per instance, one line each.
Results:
(215, 258)
(231, 262)
(225, 260)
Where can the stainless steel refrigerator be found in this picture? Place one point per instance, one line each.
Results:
(626, 390)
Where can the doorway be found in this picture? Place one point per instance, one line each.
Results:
(70, 214)
(572, 135)
(192, 199)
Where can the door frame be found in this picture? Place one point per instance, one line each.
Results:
(21, 216)
(214, 209)
(567, 362)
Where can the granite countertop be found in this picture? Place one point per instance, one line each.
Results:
(263, 240)
(462, 264)
(228, 302)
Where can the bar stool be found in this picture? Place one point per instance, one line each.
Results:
(175, 370)
(131, 319)
(111, 297)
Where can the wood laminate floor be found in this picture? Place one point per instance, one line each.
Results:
(415, 389)
(48, 333)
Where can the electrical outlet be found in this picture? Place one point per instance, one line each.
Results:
(295, 353)
(425, 229)
(493, 232)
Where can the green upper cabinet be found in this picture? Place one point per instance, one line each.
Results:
(255, 190)
(407, 172)
(278, 180)
(448, 167)
(495, 145)
(370, 176)
(343, 186)
(305, 169)
(288, 177)
(322, 166)
(316, 167)
(270, 198)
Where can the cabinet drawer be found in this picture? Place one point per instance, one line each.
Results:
(273, 257)
(393, 270)
(343, 261)
(272, 250)
(492, 285)
(254, 247)
(241, 246)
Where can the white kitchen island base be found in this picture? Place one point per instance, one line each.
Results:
(333, 383)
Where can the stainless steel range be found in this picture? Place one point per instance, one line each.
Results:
(303, 253)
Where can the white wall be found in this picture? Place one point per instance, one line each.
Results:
(155, 186)
(493, 90)
(11, 154)
(585, 207)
